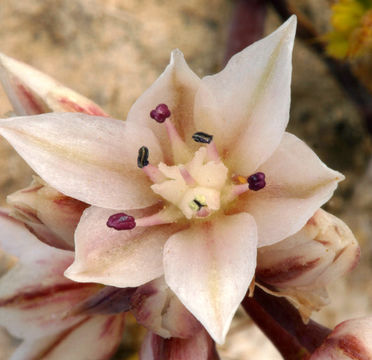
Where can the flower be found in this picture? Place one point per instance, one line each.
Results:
(303, 265)
(36, 302)
(199, 175)
(349, 340)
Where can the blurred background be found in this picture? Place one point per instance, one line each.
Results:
(112, 50)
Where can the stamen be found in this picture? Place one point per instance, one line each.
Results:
(154, 174)
(143, 157)
(160, 113)
(167, 215)
(256, 181)
(121, 221)
(181, 153)
(212, 153)
(202, 137)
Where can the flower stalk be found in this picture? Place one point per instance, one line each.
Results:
(283, 325)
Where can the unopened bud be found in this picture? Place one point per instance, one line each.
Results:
(322, 251)
(158, 309)
(349, 340)
(49, 215)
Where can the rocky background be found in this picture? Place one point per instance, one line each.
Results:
(112, 50)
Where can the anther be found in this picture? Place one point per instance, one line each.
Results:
(202, 137)
(256, 181)
(143, 157)
(198, 203)
(160, 113)
(121, 221)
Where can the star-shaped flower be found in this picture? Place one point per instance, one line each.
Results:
(200, 174)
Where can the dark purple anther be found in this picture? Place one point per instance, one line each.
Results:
(256, 181)
(121, 221)
(160, 113)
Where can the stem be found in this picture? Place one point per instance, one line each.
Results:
(246, 27)
(283, 325)
(340, 70)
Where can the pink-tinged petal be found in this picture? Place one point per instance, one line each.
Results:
(92, 159)
(34, 294)
(126, 258)
(350, 340)
(198, 347)
(92, 338)
(32, 92)
(297, 184)
(210, 267)
(246, 105)
(157, 308)
(51, 216)
(176, 88)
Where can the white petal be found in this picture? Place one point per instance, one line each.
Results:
(297, 184)
(176, 87)
(210, 267)
(126, 258)
(246, 106)
(92, 159)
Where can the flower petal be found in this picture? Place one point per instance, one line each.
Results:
(297, 184)
(210, 267)
(198, 347)
(246, 105)
(126, 258)
(92, 159)
(92, 338)
(32, 92)
(34, 294)
(176, 88)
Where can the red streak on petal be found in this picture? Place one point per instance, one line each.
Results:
(32, 189)
(32, 102)
(287, 270)
(22, 299)
(70, 203)
(72, 106)
(353, 347)
(62, 336)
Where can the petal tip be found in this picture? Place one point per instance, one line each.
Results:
(176, 56)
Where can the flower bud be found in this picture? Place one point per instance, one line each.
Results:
(321, 252)
(157, 308)
(32, 92)
(349, 340)
(49, 215)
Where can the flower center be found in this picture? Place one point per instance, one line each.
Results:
(194, 187)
